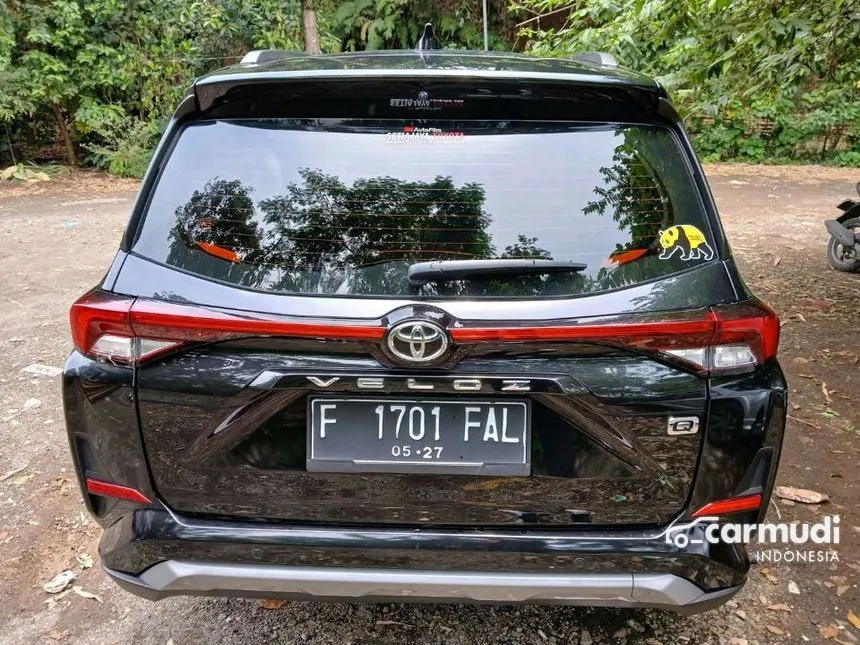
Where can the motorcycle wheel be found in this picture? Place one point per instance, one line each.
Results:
(840, 258)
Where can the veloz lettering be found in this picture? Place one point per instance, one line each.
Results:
(458, 385)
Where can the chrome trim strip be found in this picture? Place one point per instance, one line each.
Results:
(598, 537)
(398, 383)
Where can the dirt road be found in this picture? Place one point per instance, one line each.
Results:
(57, 239)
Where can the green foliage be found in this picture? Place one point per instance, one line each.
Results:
(321, 228)
(757, 81)
(397, 24)
(125, 144)
(30, 172)
(61, 62)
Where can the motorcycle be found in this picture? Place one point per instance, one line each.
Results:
(843, 249)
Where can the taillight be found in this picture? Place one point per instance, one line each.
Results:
(102, 329)
(171, 321)
(750, 327)
(729, 339)
(128, 331)
(745, 335)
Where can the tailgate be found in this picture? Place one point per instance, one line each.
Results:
(226, 430)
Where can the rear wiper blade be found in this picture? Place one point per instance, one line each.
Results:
(423, 272)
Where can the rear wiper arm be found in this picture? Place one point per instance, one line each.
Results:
(423, 272)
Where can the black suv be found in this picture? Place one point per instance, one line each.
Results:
(425, 325)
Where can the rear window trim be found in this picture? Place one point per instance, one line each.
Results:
(674, 130)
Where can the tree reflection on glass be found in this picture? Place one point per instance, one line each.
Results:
(637, 201)
(537, 285)
(330, 237)
(321, 235)
(222, 213)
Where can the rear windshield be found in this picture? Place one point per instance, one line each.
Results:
(345, 206)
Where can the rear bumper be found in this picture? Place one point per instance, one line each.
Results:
(181, 577)
(156, 553)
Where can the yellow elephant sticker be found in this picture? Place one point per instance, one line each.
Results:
(687, 239)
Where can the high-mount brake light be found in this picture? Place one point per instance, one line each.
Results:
(219, 252)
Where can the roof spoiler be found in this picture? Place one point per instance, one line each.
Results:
(260, 56)
(604, 59)
(427, 42)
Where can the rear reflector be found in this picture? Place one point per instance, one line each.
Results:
(730, 506)
(108, 489)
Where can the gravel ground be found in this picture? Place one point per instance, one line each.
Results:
(58, 239)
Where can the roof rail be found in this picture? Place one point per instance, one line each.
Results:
(603, 59)
(259, 56)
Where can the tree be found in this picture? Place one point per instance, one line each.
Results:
(44, 76)
(89, 66)
(309, 27)
(397, 24)
(754, 80)
(634, 196)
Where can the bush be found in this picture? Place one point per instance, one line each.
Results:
(125, 145)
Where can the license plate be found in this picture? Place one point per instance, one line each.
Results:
(419, 436)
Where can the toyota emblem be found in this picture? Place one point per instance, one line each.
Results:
(417, 341)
